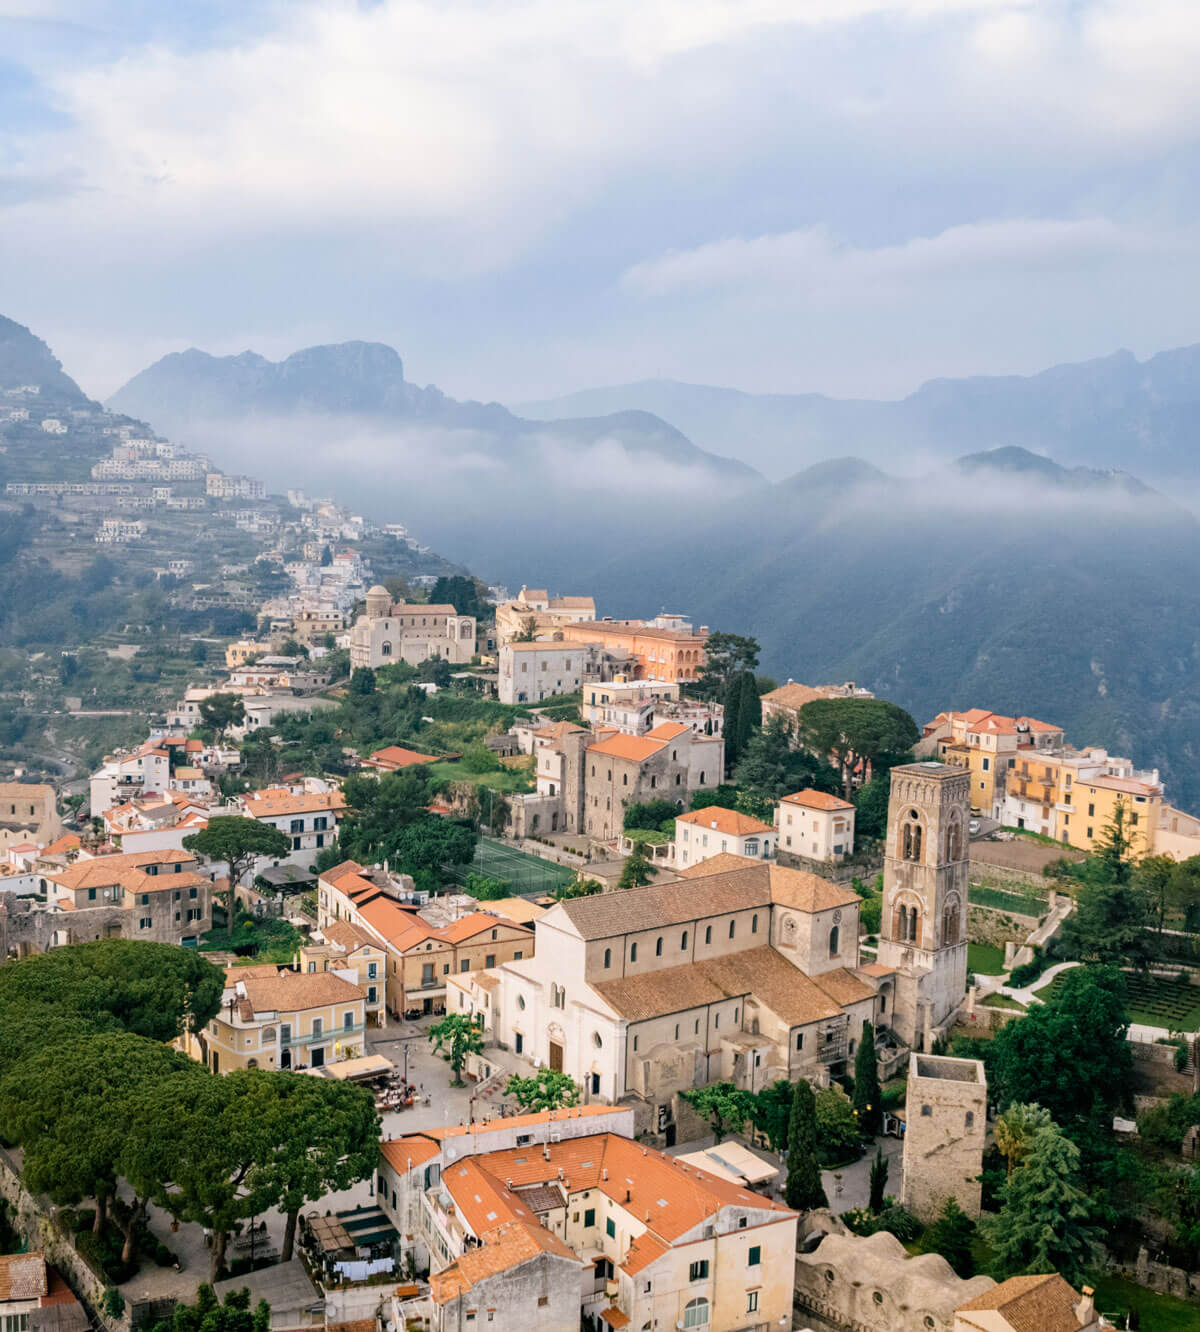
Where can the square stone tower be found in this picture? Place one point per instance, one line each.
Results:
(923, 934)
(944, 1135)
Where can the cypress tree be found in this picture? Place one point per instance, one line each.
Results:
(750, 709)
(867, 1091)
(731, 727)
(803, 1190)
(879, 1178)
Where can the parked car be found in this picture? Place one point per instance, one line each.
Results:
(973, 826)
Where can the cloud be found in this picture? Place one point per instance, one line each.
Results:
(475, 178)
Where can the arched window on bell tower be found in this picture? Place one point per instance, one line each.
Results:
(910, 842)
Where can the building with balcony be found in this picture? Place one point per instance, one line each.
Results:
(277, 1018)
(424, 944)
(670, 655)
(541, 1221)
(308, 818)
(746, 974)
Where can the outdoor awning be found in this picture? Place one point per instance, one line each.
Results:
(353, 1070)
(330, 1234)
(730, 1160)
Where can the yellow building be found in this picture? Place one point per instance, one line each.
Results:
(991, 745)
(343, 948)
(273, 1018)
(244, 650)
(1073, 798)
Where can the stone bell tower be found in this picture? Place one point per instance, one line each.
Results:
(923, 933)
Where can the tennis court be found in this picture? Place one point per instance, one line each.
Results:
(526, 874)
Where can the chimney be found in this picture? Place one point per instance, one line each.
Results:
(1085, 1310)
(628, 1195)
(546, 1152)
(604, 1173)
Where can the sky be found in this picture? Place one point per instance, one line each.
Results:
(531, 197)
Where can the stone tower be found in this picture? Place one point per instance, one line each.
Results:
(944, 1132)
(923, 933)
(379, 603)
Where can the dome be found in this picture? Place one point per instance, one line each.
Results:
(378, 591)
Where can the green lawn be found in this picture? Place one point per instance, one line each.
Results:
(1003, 1001)
(1154, 1001)
(985, 959)
(525, 873)
(1156, 1313)
(998, 899)
(501, 779)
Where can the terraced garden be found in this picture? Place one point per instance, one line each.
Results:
(1154, 1001)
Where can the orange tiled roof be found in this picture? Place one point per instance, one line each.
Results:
(404, 1153)
(668, 731)
(100, 871)
(275, 800)
(67, 842)
(288, 991)
(821, 800)
(637, 748)
(22, 1276)
(1040, 1303)
(808, 892)
(507, 1246)
(732, 822)
(721, 863)
(396, 756)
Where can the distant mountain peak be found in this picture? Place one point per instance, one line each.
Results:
(26, 359)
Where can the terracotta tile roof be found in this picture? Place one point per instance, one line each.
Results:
(644, 1250)
(22, 1276)
(668, 731)
(101, 871)
(403, 1153)
(1033, 724)
(795, 695)
(721, 863)
(137, 882)
(608, 914)
(636, 748)
(732, 822)
(396, 756)
(557, 730)
(346, 867)
(614, 1317)
(508, 1246)
(349, 936)
(292, 990)
(843, 986)
(482, 1200)
(762, 972)
(522, 1121)
(572, 603)
(803, 891)
(821, 800)
(273, 801)
(476, 923)
(528, 594)
(877, 969)
(1027, 1304)
(67, 842)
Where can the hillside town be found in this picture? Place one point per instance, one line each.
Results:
(666, 994)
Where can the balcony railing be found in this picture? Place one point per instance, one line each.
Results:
(329, 1034)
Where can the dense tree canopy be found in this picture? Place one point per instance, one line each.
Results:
(547, 1089)
(725, 655)
(220, 712)
(150, 989)
(856, 733)
(1069, 1055)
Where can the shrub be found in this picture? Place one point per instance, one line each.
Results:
(1029, 971)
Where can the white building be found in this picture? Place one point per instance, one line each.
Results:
(124, 777)
(815, 825)
(715, 830)
(747, 975)
(534, 1223)
(531, 672)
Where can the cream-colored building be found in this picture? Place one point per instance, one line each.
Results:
(530, 672)
(277, 1018)
(543, 1219)
(388, 632)
(814, 825)
(534, 610)
(715, 830)
(788, 699)
(747, 974)
(351, 952)
(30, 807)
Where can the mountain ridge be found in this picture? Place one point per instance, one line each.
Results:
(1112, 410)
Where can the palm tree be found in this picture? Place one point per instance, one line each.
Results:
(1015, 1129)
